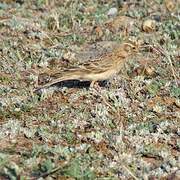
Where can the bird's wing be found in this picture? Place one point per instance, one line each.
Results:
(97, 66)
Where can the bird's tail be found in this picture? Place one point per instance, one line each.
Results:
(62, 77)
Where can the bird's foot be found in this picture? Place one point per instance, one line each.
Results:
(95, 85)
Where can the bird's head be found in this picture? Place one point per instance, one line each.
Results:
(125, 50)
(131, 48)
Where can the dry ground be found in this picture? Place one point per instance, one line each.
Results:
(128, 129)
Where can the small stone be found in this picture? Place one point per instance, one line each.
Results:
(177, 102)
(149, 25)
(170, 5)
(112, 12)
(157, 18)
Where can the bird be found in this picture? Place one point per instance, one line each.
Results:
(100, 69)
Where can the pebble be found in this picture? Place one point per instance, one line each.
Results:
(112, 12)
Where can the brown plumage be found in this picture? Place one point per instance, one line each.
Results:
(97, 70)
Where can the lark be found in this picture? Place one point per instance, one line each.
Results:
(98, 70)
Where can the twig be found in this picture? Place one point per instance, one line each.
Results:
(127, 169)
(162, 52)
(170, 62)
(51, 172)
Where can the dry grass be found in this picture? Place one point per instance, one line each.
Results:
(127, 129)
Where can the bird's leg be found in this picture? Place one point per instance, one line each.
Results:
(92, 84)
(95, 85)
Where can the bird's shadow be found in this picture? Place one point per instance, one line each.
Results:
(74, 84)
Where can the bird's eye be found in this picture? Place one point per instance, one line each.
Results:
(128, 47)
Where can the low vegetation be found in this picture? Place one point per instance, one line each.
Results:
(128, 129)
